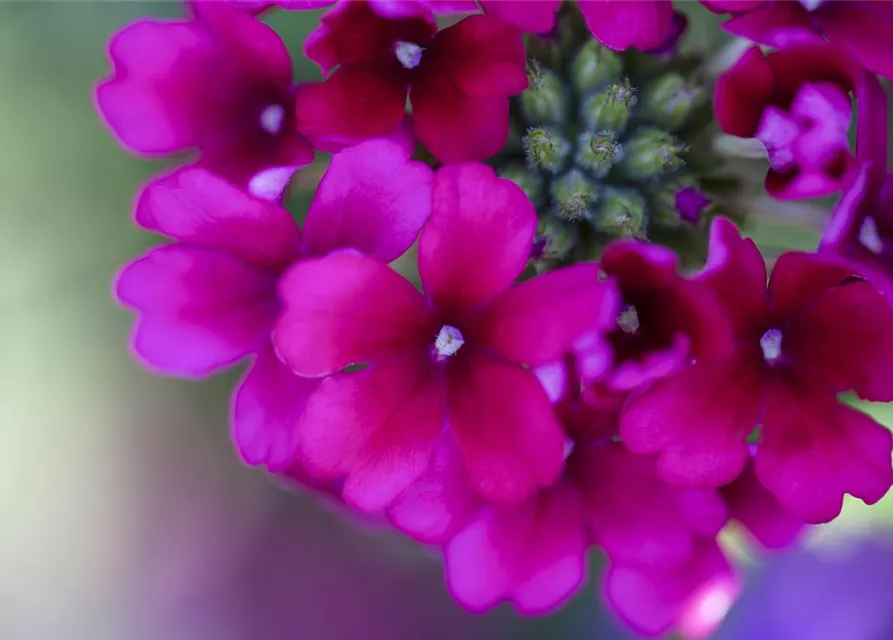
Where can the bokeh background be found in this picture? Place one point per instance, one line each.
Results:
(124, 512)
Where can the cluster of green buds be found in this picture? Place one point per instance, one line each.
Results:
(609, 144)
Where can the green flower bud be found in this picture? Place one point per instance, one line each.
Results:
(530, 183)
(545, 149)
(662, 208)
(669, 100)
(611, 108)
(621, 214)
(599, 152)
(573, 195)
(554, 242)
(545, 100)
(594, 66)
(650, 153)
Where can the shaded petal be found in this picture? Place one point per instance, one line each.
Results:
(620, 24)
(534, 16)
(537, 321)
(454, 126)
(531, 554)
(373, 198)
(346, 309)
(698, 420)
(799, 279)
(814, 450)
(503, 422)
(477, 240)
(742, 92)
(377, 427)
(778, 24)
(200, 309)
(195, 206)
(267, 407)
(863, 32)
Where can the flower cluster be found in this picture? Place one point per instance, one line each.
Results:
(589, 354)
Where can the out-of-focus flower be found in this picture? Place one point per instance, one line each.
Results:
(209, 299)
(452, 357)
(863, 29)
(219, 83)
(459, 81)
(797, 102)
(817, 332)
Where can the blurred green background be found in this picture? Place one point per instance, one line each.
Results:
(124, 512)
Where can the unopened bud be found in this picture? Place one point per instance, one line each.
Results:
(611, 108)
(599, 152)
(553, 243)
(621, 214)
(664, 201)
(650, 153)
(545, 100)
(670, 99)
(574, 196)
(595, 66)
(529, 183)
(545, 149)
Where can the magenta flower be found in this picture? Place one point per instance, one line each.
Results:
(533, 553)
(459, 81)
(219, 83)
(863, 29)
(817, 332)
(663, 319)
(451, 359)
(797, 102)
(208, 299)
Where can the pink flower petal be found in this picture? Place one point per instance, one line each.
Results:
(539, 320)
(373, 198)
(195, 206)
(862, 31)
(200, 309)
(633, 515)
(483, 55)
(267, 406)
(377, 427)
(778, 24)
(742, 92)
(534, 16)
(504, 425)
(456, 127)
(799, 279)
(814, 450)
(437, 505)
(531, 554)
(698, 420)
(620, 24)
(346, 309)
(477, 240)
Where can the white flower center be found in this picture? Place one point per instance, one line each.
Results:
(271, 119)
(770, 343)
(409, 54)
(448, 341)
(628, 320)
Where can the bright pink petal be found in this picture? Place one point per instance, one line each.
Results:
(504, 425)
(195, 206)
(814, 450)
(199, 309)
(539, 320)
(373, 198)
(437, 505)
(742, 92)
(377, 427)
(483, 55)
(531, 554)
(534, 16)
(267, 408)
(456, 127)
(698, 420)
(800, 278)
(346, 309)
(760, 513)
(477, 240)
(620, 24)
(778, 24)
(356, 103)
(862, 31)
(633, 515)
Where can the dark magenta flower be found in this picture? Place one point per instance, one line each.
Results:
(797, 102)
(450, 360)
(459, 81)
(208, 299)
(863, 29)
(817, 331)
(219, 83)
